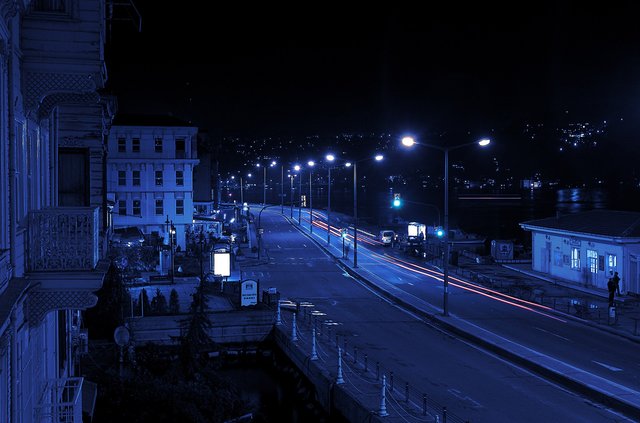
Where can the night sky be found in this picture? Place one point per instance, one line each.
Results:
(323, 69)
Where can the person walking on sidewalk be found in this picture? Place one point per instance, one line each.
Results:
(616, 282)
(611, 287)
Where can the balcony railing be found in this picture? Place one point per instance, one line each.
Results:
(63, 239)
(61, 401)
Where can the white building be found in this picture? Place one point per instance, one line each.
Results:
(52, 234)
(150, 174)
(584, 248)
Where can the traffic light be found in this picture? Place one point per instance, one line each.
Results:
(344, 232)
(439, 231)
(397, 202)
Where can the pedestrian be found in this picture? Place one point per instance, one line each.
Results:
(616, 282)
(611, 287)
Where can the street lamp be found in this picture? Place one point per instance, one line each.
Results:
(377, 158)
(330, 158)
(291, 176)
(281, 189)
(264, 180)
(311, 164)
(410, 142)
(297, 169)
(172, 234)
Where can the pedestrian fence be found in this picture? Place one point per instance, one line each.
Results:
(358, 369)
(584, 306)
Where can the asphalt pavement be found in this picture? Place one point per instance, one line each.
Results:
(582, 305)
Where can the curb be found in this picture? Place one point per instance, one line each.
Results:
(627, 408)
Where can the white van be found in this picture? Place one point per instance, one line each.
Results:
(386, 237)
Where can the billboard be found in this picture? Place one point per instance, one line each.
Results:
(221, 263)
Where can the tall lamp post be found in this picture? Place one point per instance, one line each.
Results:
(410, 142)
(281, 189)
(377, 158)
(311, 163)
(172, 234)
(291, 176)
(330, 158)
(298, 169)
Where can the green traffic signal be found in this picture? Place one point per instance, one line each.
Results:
(397, 203)
(439, 232)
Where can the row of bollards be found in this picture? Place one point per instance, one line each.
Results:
(382, 410)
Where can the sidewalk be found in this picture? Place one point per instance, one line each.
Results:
(587, 305)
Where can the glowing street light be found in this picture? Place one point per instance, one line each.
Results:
(410, 142)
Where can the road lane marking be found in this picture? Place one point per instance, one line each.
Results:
(460, 395)
(554, 334)
(613, 369)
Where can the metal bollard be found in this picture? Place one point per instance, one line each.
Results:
(406, 392)
(344, 348)
(377, 370)
(391, 380)
(339, 378)
(314, 352)
(444, 414)
(382, 411)
(294, 331)
(424, 404)
(366, 367)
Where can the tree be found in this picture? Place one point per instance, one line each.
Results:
(159, 303)
(174, 304)
(108, 313)
(196, 339)
(144, 300)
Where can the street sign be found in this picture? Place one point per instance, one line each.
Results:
(248, 293)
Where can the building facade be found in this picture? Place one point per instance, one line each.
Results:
(53, 220)
(150, 176)
(586, 248)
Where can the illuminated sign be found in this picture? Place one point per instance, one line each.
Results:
(221, 263)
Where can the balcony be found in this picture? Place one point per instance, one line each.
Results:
(61, 401)
(63, 52)
(63, 239)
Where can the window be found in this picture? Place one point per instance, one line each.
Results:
(122, 177)
(179, 178)
(135, 145)
(122, 207)
(159, 207)
(136, 208)
(180, 207)
(122, 145)
(592, 259)
(575, 258)
(180, 148)
(135, 178)
(56, 6)
(158, 145)
(158, 178)
(612, 262)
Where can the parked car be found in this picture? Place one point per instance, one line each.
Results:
(386, 237)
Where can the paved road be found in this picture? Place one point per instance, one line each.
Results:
(472, 383)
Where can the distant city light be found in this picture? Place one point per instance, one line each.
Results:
(379, 157)
(311, 163)
(484, 142)
(296, 168)
(330, 157)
